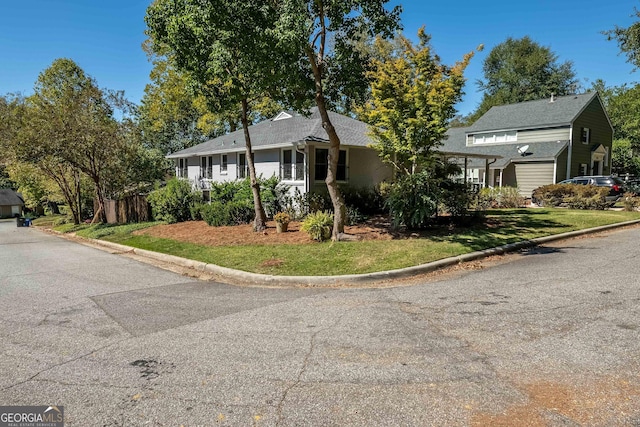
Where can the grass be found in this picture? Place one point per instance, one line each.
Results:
(335, 258)
(97, 231)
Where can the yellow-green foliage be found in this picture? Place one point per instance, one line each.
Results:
(572, 196)
(500, 197)
(630, 201)
(413, 97)
(318, 225)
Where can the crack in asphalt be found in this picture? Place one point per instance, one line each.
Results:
(56, 365)
(303, 368)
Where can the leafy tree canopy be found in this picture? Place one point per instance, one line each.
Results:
(413, 97)
(520, 70)
(322, 37)
(628, 40)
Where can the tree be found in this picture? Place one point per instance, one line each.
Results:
(37, 189)
(169, 112)
(21, 142)
(323, 35)
(75, 117)
(520, 70)
(413, 97)
(228, 48)
(623, 106)
(623, 160)
(628, 40)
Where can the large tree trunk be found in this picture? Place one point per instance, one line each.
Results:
(102, 213)
(260, 222)
(339, 208)
(70, 191)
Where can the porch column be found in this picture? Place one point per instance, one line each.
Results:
(486, 172)
(466, 161)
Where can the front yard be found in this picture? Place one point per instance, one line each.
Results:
(293, 253)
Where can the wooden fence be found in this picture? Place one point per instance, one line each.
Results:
(128, 209)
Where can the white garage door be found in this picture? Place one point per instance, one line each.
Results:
(530, 176)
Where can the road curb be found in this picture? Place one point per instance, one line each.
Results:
(357, 279)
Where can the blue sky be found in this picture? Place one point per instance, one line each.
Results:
(105, 38)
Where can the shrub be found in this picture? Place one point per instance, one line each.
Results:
(366, 200)
(272, 193)
(633, 188)
(299, 205)
(353, 216)
(572, 196)
(318, 225)
(630, 201)
(218, 214)
(215, 214)
(173, 203)
(455, 198)
(412, 201)
(240, 212)
(196, 211)
(500, 197)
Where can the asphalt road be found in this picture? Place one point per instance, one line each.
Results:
(549, 336)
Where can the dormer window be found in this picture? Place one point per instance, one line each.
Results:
(586, 136)
(495, 137)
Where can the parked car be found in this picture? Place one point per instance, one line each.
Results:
(615, 184)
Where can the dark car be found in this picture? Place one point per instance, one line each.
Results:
(616, 185)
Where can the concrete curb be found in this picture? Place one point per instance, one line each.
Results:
(361, 279)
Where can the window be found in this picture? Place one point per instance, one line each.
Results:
(223, 163)
(321, 165)
(206, 167)
(586, 135)
(495, 137)
(242, 165)
(292, 171)
(183, 168)
(583, 169)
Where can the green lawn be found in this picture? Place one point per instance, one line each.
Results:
(501, 227)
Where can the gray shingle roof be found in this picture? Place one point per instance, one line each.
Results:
(545, 150)
(269, 133)
(9, 197)
(533, 114)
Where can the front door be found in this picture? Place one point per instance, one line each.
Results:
(597, 168)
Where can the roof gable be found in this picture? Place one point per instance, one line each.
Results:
(561, 111)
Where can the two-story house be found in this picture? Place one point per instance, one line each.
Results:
(539, 142)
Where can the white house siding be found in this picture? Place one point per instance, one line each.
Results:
(530, 176)
(267, 163)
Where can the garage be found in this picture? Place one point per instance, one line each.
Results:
(532, 175)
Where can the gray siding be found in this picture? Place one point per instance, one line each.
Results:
(509, 176)
(366, 169)
(531, 136)
(561, 166)
(542, 135)
(530, 176)
(595, 119)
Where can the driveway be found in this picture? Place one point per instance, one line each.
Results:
(544, 337)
